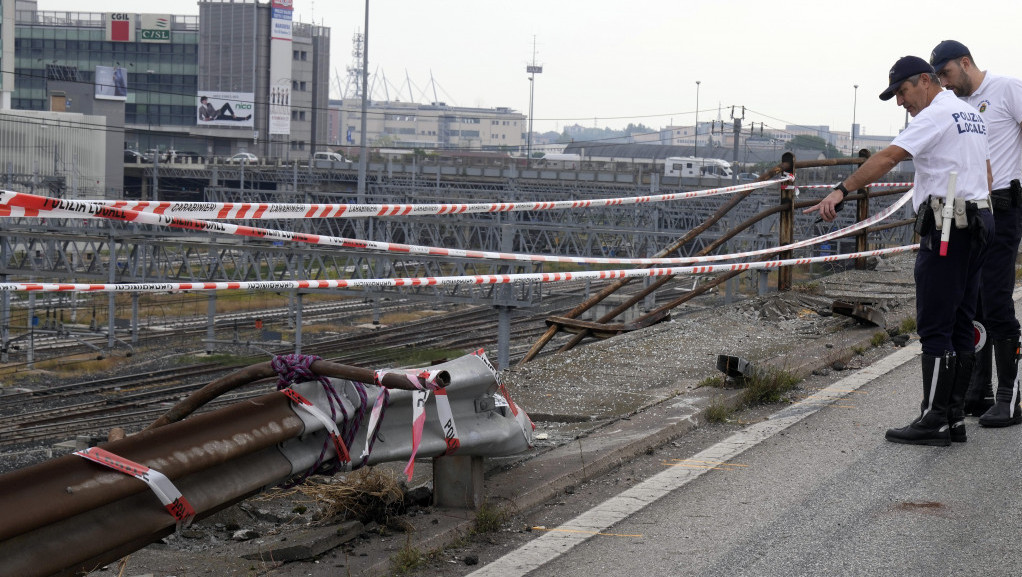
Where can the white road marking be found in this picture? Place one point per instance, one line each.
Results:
(599, 519)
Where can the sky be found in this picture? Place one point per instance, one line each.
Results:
(611, 63)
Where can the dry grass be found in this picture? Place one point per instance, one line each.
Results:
(166, 306)
(84, 364)
(367, 494)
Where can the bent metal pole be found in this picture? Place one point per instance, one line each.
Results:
(68, 491)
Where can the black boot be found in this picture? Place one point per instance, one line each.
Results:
(931, 427)
(1005, 411)
(980, 395)
(956, 402)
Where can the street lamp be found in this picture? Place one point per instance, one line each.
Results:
(148, 114)
(149, 135)
(855, 103)
(532, 70)
(695, 149)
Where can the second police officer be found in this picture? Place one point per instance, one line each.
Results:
(999, 100)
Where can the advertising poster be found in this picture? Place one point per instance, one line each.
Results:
(280, 67)
(111, 83)
(225, 109)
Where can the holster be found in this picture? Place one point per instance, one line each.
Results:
(925, 222)
(976, 225)
(959, 212)
(1007, 198)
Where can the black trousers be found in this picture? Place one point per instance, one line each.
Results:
(947, 287)
(996, 309)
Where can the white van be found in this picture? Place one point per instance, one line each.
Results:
(698, 167)
(328, 156)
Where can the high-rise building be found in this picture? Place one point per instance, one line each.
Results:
(6, 52)
(240, 76)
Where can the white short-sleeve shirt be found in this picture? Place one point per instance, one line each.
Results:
(948, 135)
(999, 101)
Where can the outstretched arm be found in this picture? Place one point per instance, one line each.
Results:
(876, 166)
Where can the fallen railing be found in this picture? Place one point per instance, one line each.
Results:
(73, 514)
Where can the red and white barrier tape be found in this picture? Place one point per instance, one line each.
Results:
(374, 421)
(424, 380)
(418, 422)
(874, 186)
(443, 410)
(85, 208)
(163, 487)
(331, 427)
(442, 280)
(503, 398)
(261, 210)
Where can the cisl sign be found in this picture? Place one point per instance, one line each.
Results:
(154, 27)
(120, 27)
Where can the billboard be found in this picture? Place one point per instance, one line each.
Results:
(154, 28)
(225, 109)
(111, 83)
(280, 67)
(120, 27)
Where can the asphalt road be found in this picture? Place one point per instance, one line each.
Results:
(812, 490)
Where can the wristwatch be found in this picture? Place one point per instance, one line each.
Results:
(841, 186)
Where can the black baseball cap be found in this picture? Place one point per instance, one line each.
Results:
(947, 51)
(906, 67)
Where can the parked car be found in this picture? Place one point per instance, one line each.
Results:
(244, 157)
(329, 156)
(747, 176)
(134, 156)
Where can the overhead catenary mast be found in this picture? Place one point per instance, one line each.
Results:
(532, 69)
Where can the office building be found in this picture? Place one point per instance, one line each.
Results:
(265, 77)
(428, 126)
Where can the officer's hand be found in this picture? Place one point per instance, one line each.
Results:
(827, 206)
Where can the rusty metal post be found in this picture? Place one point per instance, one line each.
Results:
(861, 214)
(613, 287)
(786, 226)
(458, 482)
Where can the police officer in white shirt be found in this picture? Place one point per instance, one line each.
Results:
(999, 100)
(945, 136)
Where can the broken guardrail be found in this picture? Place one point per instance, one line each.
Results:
(73, 514)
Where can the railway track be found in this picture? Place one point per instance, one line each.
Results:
(46, 415)
(53, 414)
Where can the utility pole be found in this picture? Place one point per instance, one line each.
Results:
(362, 160)
(532, 70)
(738, 134)
(855, 104)
(695, 149)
